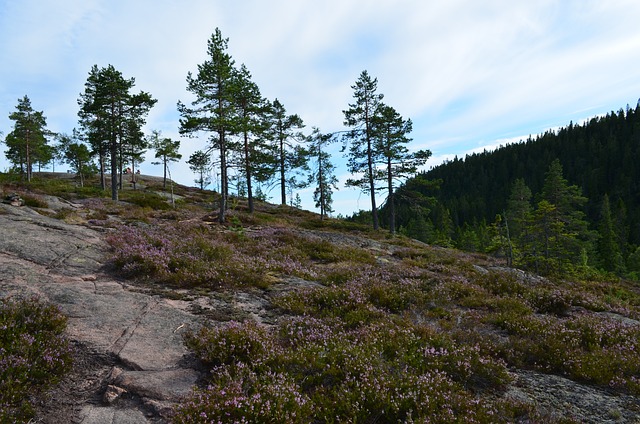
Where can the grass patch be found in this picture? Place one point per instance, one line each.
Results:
(144, 199)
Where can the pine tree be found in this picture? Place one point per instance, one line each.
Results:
(27, 142)
(323, 172)
(559, 230)
(519, 208)
(517, 218)
(78, 156)
(360, 139)
(397, 163)
(213, 110)
(200, 163)
(289, 156)
(131, 152)
(112, 118)
(610, 258)
(250, 126)
(167, 150)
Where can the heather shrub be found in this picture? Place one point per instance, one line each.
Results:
(34, 354)
(501, 284)
(34, 201)
(186, 255)
(310, 369)
(236, 394)
(145, 199)
(551, 301)
(235, 342)
(192, 255)
(588, 348)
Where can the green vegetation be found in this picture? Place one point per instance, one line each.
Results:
(33, 355)
(386, 329)
(422, 333)
(598, 177)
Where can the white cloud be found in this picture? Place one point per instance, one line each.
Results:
(467, 73)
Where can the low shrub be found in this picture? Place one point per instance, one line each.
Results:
(145, 199)
(34, 354)
(588, 348)
(34, 201)
(317, 370)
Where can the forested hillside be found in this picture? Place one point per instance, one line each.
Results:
(471, 207)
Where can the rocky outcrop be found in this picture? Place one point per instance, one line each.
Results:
(139, 334)
(131, 364)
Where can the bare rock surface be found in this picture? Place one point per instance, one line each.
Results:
(561, 398)
(111, 324)
(131, 365)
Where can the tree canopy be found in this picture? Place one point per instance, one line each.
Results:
(27, 143)
(112, 119)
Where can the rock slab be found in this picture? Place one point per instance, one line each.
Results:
(63, 264)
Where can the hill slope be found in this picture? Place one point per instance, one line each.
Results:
(319, 319)
(599, 156)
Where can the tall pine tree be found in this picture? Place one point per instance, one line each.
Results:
(213, 109)
(289, 157)
(361, 138)
(250, 126)
(393, 156)
(112, 118)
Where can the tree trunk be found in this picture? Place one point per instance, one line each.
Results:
(372, 186)
(28, 158)
(391, 200)
(247, 167)
(164, 178)
(114, 170)
(103, 177)
(80, 168)
(223, 179)
(283, 190)
(321, 184)
(133, 173)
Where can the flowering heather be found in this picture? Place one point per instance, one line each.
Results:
(590, 348)
(417, 336)
(312, 370)
(191, 255)
(33, 354)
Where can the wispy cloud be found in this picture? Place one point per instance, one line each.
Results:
(467, 73)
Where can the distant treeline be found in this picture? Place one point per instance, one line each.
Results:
(600, 157)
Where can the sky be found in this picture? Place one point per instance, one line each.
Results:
(471, 75)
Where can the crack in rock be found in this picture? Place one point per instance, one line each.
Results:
(128, 332)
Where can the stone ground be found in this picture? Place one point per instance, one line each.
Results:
(131, 365)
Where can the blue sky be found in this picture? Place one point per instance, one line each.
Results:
(470, 74)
